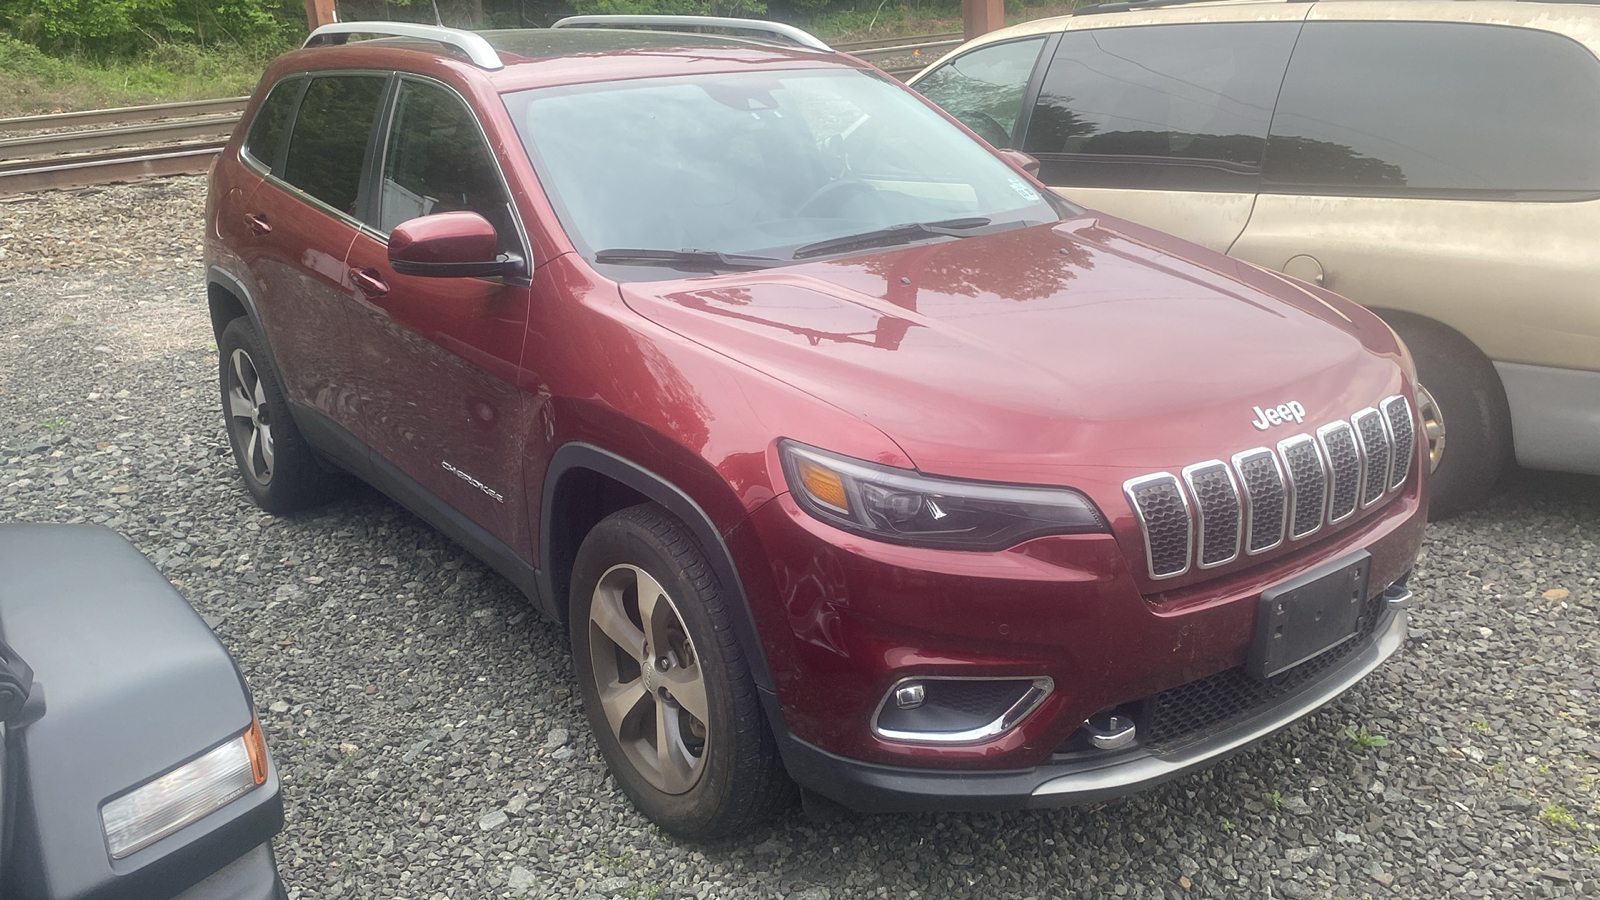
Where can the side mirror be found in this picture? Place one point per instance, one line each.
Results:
(1025, 160)
(460, 244)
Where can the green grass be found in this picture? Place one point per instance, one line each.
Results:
(32, 83)
(871, 23)
(1556, 816)
(1365, 739)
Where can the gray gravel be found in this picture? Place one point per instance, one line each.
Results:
(431, 746)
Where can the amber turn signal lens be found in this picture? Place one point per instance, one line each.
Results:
(824, 485)
(256, 746)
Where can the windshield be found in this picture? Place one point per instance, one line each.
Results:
(758, 164)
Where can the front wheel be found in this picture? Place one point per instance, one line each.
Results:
(665, 684)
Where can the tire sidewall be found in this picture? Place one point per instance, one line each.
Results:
(296, 478)
(1472, 405)
(617, 540)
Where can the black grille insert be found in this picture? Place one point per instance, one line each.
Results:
(1344, 462)
(1163, 512)
(1265, 498)
(1217, 497)
(1398, 412)
(1375, 448)
(1308, 484)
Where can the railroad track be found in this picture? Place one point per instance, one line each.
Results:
(105, 146)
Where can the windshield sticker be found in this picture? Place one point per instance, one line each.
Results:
(1021, 187)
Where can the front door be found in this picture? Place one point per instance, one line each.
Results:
(439, 356)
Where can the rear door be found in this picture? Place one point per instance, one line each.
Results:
(299, 223)
(1444, 169)
(1162, 124)
(440, 356)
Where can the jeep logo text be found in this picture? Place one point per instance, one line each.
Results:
(1277, 415)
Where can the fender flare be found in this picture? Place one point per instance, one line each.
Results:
(579, 455)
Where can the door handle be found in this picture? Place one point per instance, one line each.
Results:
(257, 223)
(369, 282)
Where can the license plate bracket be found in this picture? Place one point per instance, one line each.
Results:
(1307, 616)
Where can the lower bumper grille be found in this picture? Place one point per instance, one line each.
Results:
(1190, 712)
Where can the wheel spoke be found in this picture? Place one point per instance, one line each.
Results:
(622, 704)
(650, 613)
(688, 686)
(252, 449)
(239, 403)
(607, 613)
(268, 453)
(675, 765)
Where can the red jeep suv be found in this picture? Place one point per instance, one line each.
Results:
(850, 454)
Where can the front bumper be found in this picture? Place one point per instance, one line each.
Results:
(872, 787)
(253, 876)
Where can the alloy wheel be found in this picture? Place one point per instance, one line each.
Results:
(1432, 426)
(648, 676)
(248, 416)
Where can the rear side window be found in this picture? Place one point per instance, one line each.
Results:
(272, 122)
(1174, 107)
(330, 136)
(983, 89)
(436, 161)
(1436, 109)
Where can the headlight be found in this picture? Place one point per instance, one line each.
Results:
(904, 507)
(201, 786)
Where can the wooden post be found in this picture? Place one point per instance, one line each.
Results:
(977, 16)
(319, 13)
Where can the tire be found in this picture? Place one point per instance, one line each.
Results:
(278, 467)
(699, 777)
(1471, 404)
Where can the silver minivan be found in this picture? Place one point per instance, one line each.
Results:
(1438, 162)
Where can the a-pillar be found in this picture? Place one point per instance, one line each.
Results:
(977, 16)
(319, 13)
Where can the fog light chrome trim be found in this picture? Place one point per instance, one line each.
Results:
(1039, 688)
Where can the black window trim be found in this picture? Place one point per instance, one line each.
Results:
(261, 166)
(1491, 195)
(377, 158)
(294, 120)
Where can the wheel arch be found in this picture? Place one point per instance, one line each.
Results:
(580, 472)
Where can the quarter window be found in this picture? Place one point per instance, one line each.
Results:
(272, 122)
(1437, 109)
(1175, 107)
(437, 162)
(983, 89)
(330, 137)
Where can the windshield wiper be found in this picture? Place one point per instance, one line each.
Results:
(699, 259)
(894, 234)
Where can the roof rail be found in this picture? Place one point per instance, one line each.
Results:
(1127, 5)
(473, 45)
(756, 28)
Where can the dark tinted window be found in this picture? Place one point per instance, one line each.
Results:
(1407, 108)
(272, 120)
(330, 138)
(437, 162)
(1181, 107)
(983, 89)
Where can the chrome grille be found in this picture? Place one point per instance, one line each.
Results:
(1264, 494)
(1375, 447)
(1398, 413)
(1261, 496)
(1216, 497)
(1338, 441)
(1163, 511)
(1308, 484)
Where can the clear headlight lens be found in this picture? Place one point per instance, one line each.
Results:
(197, 788)
(904, 507)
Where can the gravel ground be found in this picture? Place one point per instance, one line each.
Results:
(431, 746)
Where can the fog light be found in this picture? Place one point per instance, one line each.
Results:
(185, 794)
(908, 696)
(946, 710)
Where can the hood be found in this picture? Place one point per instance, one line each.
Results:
(1091, 343)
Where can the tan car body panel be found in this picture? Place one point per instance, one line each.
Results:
(1473, 265)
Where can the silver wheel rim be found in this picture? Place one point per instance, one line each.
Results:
(1432, 426)
(249, 418)
(651, 688)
